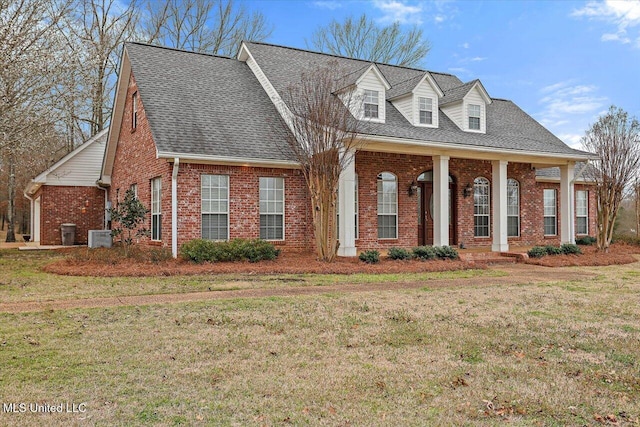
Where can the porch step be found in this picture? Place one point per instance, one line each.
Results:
(491, 257)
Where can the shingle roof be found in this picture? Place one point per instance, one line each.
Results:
(205, 105)
(508, 127)
(457, 93)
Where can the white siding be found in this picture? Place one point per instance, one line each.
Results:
(424, 90)
(83, 169)
(371, 81)
(474, 97)
(454, 112)
(405, 106)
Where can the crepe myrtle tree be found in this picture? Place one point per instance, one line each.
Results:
(128, 215)
(323, 136)
(615, 138)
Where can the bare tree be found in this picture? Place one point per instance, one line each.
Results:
(29, 65)
(615, 138)
(207, 26)
(323, 135)
(364, 39)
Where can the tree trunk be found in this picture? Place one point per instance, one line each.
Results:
(11, 209)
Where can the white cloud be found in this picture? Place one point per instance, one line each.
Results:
(573, 140)
(623, 15)
(478, 59)
(465, 45)
(399, 11)
(331, 5)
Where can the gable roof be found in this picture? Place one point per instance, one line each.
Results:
(80, 167)
(458, 93)
(509, 129)
(408, 86)
(200, 104)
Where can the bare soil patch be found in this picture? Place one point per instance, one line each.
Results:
(619, 253)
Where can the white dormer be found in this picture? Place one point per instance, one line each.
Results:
(418, 100)
(371, 88)
(466, 106)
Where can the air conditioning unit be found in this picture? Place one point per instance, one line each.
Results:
(100, 238)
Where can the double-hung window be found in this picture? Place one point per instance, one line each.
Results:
(371, 104)
(272, 208)
(550, 212)
(481, 207)
(582, 212)
(474, 116)
(387, 206)
(214, 191)
(156, 211)
(513, 208)
(426, 110)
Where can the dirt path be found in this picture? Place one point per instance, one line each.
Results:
(516, 274)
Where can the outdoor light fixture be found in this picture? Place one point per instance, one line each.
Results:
(413, 188)
(467, 191)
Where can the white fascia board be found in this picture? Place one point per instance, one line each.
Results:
(379, 75)
(226, 160)
(457, 147)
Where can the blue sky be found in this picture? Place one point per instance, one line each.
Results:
(563, 62)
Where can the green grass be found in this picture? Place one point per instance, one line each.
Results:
(455, 355)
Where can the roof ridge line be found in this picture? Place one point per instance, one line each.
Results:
(175, 49)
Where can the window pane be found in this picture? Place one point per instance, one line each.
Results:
(387, 205)
(481, 207)
(272, 208)
(215, 206)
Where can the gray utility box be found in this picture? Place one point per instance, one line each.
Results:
(100, 238)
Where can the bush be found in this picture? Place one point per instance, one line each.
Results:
(553, 250)
(424, 253)
(586, 240)
(370, 257)
(446, 252)
(399, 253)
(629, 240)
(201, 250)
(537, 252)
(570, 249)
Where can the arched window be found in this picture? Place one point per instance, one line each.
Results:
(513, 208)
(387, 206)
(481, 207)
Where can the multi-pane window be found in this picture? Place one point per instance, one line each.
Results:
(481, 207)
(513, 208)
(214, 194)
(156, 215)
(426, 111)
(474, 116)
(550, 212)
(355, 209)
(371, 104)
(134, 110)
(272, 208)
(387, 206)
(134, 190)
(582, 212)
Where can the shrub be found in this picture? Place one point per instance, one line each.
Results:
(424, 253)
(399, 253)
(570, 249)
(553, 250)
(201, 250)
(537, 252)
(586, 240)
(629, 240)
(446, 252)
(370, 257)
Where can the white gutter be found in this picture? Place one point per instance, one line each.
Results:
(239, 161)
(174, 207)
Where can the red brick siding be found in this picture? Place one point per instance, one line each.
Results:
(61, 205)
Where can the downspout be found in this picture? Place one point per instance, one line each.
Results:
(31, 219)
(101, 186)
(174, 207)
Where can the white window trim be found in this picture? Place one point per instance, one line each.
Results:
(202, 212)
(468, 116)
(586, 192)
(434, 112)
(378, 212)
(512, 216)
(555, 210)
(159, 213)
(284, 209)
(488, 215)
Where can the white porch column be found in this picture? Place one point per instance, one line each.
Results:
(499, 198)
(347, 203)
(567, 217)
(440, 200)
(174, 207)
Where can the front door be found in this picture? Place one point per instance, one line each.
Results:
(425, 212)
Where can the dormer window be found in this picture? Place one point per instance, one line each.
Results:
(371, 104)
(426, 111)
(474, 117)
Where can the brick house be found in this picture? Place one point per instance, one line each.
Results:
(442, 161)
(67, 193)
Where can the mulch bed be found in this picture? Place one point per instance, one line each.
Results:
(619, 253)
(104, 264)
